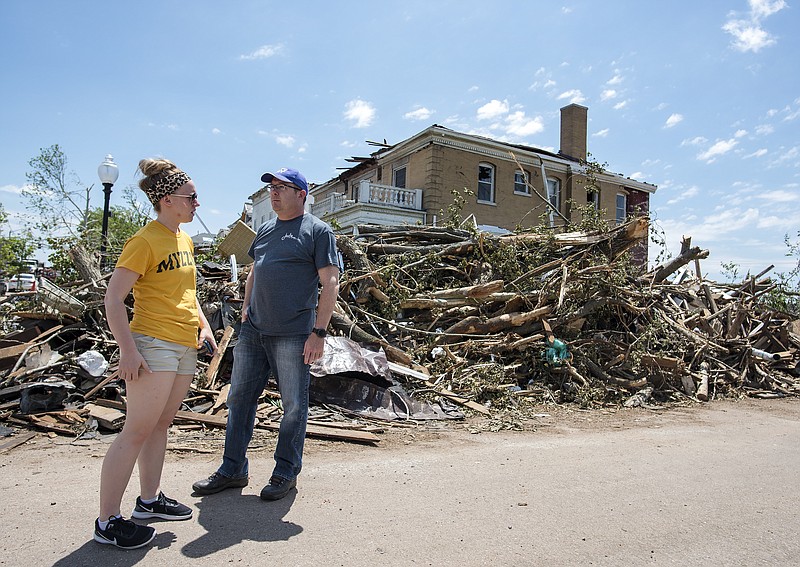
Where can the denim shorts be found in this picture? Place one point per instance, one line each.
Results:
(166, 356)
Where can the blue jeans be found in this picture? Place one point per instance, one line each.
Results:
(255, 357)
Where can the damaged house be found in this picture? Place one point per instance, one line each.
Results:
(412, 182)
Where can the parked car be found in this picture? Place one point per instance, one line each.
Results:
(22, 282)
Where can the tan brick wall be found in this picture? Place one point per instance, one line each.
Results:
(438, 169)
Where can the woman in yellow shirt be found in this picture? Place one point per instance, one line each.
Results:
(158, 352)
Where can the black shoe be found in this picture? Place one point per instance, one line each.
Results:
(164, 508)
(123, 533)
(277, 488)
(218, 482)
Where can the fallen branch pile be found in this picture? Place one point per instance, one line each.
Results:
(493, 325)
(512, 319)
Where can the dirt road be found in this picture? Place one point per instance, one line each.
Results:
(702, 485)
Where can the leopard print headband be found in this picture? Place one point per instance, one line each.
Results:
(163, 185)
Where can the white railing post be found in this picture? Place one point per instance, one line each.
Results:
(363, 191)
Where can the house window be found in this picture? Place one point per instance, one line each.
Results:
(593, 198)
(520, 186)
(554, 196)
(485, 183)
(399, 177)
(622, 206)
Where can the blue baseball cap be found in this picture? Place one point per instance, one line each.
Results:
(287, 175)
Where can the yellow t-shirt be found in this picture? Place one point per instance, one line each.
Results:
(164, 300)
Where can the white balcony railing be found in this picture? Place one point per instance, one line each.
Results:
(388, 195)
(374, 194)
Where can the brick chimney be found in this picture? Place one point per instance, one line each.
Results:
(573, 131)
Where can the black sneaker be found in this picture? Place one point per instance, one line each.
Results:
(123, 533)
(277, 488)
(218, 482)
(164, 508)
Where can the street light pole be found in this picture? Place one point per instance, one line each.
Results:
(108, 173)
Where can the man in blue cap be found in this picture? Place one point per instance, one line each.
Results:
(289, 297)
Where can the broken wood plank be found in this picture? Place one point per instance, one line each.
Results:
(109, 418)
(102, 383)
(16, 441)
(439, 390)
(328, 433)
(213, 367)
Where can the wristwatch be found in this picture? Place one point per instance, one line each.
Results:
(322, 333)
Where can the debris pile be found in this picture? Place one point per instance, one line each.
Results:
(510, 320)
(436, 323)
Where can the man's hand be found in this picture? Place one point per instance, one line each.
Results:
(313, 348)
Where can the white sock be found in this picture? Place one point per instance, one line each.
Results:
(104, 524)
(149, 500)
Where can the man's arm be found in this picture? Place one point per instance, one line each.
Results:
(248, 287)
(329, 279)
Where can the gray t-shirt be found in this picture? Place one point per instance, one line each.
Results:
(283, 299)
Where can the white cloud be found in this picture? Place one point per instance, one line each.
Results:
(791, 116)
(748, 34)
(418, 114)
(740, 134)
(493, 109)
(728, 221)
(718, 149)
(574, 96)
(473, 88)
(778, 196)
(638, 175)
(776, 222)
(621, 105)
(360, 112)
(601, 133)
(216, 131)
(517, 124)
(757, 154)
(688, 194)
(616, 79)
(763, 8)
(696, 141)
(14, 189)
(263, 52)
(287, 141)
(673, 120)
(608, 94)
(765, 129)
(790, 155)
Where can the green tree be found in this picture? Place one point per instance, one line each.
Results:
(64, 217)
(13, 249)
(123, 222)
(60, 206)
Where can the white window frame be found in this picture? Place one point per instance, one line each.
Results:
(554, 196)
(593, 198)
(405, 176)
(521, 180)
(491, 183)
(621, 212)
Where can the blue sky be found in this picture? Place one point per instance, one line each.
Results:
(699, 98)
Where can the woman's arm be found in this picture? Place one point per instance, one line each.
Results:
(120, 285)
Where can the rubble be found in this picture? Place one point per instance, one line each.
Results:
(436, 323)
